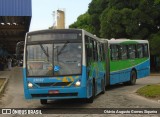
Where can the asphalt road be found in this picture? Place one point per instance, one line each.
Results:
(118, 96)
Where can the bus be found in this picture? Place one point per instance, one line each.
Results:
(128, 60)
(55, 65)
(73, 63)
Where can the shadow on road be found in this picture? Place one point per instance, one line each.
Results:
(65, 103)
(117, 86)
(70, 106)
(66, 106)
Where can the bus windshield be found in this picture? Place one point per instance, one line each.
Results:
(54, 59)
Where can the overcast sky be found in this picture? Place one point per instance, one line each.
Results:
(42, 17)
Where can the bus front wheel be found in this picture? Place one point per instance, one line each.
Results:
(133, 77)
(90, 100)
(43, 101)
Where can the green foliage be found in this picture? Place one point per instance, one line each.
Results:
(155, 43)
(120, 4)
(83, 22)
(157, 2)
(96, 7)
(112, 21)
(138, 19)
(134, 19)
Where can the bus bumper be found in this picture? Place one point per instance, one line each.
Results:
(56, 93)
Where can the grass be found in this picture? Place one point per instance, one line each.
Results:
(150, 91)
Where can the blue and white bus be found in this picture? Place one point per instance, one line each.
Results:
(55, 65)
(72, 63)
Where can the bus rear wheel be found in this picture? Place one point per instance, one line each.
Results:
(133, 77)
(103, 87)
(43, 101)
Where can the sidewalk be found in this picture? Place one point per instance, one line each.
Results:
(4, 75)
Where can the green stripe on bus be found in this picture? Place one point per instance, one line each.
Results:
(124, 64)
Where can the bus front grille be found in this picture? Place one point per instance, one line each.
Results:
(54, 95)
(53, 84)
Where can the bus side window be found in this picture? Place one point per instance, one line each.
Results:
(140, 51)
(102, 51)
(114, 52)
(95, 52)
(145, 48)
(89, 50)
(100, 54)
(123, 52)
(92, 43)
(131, 51)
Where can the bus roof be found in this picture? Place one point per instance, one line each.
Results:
(129, 41)
(53, 30)
(63, 31)
(116, 41)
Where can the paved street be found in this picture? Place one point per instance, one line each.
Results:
(118, 96)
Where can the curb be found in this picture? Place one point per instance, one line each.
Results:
(4, 85)
(154, 74)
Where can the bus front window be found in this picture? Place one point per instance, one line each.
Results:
(39, 60)
(67, 58)
(54, 59)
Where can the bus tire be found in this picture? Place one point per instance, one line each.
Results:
(103, 87)
(43, 101)
(133, 77)
(90, 100)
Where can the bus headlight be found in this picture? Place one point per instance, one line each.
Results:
(78, 83)
(30, 85)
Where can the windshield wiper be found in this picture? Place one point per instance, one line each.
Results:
(44, 51)
(63, 47)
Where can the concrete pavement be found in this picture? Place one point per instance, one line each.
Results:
(6, 74)
(118, 96)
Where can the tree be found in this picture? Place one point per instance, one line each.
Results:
(155, 43)
(96, 7)
(92, 17)
(111, 24)
(138, 19)
(132, 19)
(83, 22)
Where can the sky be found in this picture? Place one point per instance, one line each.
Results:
(42, 10)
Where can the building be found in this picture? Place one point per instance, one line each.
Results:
(15, 17)
(59, 19)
